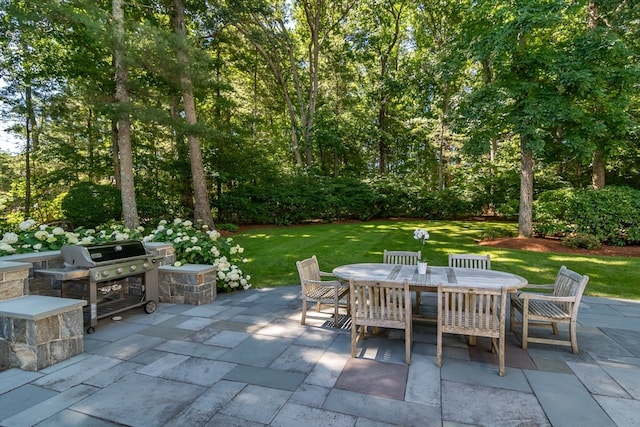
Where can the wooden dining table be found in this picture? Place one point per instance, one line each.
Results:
(434, 276)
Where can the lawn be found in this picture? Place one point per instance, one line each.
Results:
(273, 251)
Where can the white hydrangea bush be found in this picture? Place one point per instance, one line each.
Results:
(194, 244)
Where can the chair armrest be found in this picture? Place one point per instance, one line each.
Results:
(530, 286)
(323, 283)
(325, 274)
(543, 297)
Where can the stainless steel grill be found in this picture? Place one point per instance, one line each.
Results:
(120, 276)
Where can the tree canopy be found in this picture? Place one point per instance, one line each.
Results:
(498, 98)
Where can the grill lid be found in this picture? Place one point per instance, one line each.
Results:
(84, 256)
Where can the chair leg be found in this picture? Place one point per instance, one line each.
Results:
(525, 330)
(573, 336)
(354, 339)
(439, 346)
(501, 356)
(304, 311)
(407, 345)
(554, 326)
(336, 315)
(512, 316)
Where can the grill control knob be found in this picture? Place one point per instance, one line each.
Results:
(133, 267)
(119, 270)
(145, 265)
(105, 273)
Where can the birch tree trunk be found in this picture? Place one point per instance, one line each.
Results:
(200, 191)
(127, 188)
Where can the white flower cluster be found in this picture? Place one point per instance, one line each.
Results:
(232, 275)
(421, 234)
(203, 246)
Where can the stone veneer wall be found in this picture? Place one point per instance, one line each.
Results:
(13, 279)
(192, 284)
(36, 344)
(30, 339)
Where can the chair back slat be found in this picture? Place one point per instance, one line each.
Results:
(309, 269)
(480, 262)
(401, 257)
(380, 303)
(568, 283)
(476, 311)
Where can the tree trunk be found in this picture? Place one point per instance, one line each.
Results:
(597, 158)
(30, 124)
(114, 153)
(182, 151)
(127, 188)
(525, 219)
(598, 170)
(200, 191)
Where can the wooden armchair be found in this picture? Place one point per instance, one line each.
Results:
(561, 306)
(380, 304)
(482, 262)
(474, 312)
(314, 289)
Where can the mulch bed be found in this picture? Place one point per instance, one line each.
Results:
(539, 244)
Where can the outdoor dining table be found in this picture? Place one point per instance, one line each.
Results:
(435, 275)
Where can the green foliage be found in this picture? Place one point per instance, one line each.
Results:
(611, 215)
(309, 198)
(227, 227)
(581, 241)
(196, 244)
(497, 231)
(91, 204)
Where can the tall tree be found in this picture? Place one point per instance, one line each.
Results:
(127, 187)
(200, 190)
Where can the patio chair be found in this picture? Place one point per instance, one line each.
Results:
(477, 312)
(561, 306)
(482, 262)
(380, 304)
(314, 289)
(404, 258)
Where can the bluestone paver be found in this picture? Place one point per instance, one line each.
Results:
(47, 408)
(256, 403)
(566, 401)
(140, 400)
(490, 406)
(266, 377)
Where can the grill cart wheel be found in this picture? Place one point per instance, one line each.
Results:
(91, 330)
(150, 307)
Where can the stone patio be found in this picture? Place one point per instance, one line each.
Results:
(245, 360)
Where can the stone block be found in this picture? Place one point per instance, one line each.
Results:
(192, 284)
(11, 289)
(5, 355)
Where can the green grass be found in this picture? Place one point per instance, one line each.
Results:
(273, 251)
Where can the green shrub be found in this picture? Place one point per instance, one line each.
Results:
(496, 232)
(89, 204)
(308, 197)
(611, 215)
(227, 227)
(581, 241)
